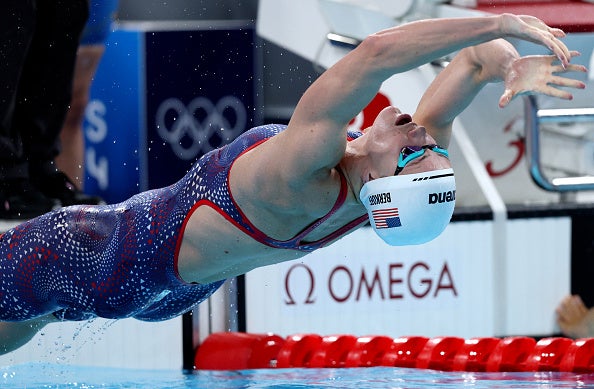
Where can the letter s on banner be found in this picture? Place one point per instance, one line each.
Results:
(96, 132)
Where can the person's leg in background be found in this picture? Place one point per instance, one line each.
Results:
(71, 157)
(90, 51)
(44, 96)
(18, 198)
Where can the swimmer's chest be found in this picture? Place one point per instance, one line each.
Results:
(214, 247)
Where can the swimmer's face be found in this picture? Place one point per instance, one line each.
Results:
(393, 130)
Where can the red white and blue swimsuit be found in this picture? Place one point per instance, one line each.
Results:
(118, 261)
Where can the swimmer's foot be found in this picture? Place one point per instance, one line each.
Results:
(59, 186)
(19, 200)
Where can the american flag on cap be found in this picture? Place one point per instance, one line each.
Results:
(386, 218)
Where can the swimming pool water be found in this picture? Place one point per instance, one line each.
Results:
(37, 375)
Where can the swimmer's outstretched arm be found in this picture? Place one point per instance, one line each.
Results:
(315, 138)
(474, 67)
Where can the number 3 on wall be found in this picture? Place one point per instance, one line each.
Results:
(519, 146)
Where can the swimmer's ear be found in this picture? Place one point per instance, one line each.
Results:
(370, 175)
(367, 176)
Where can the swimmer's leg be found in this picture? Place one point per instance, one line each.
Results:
(15, 334)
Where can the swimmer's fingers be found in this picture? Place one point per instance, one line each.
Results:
(561, 51)
(549, 90)
(506, 97)
(567, 82)
(557, 32)
(535, 30)
(539, 24)
(510, 94)
(558, 48)
(555, 92)
(539, 74)
(560, 81)
(570, 67)
(536, 22)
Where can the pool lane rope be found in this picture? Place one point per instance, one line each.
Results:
(241, 351)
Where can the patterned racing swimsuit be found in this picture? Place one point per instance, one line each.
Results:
(120, 260)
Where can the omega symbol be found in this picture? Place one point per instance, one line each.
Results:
(309, 298)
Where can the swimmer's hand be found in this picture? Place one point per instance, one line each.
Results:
(534, 30)
(538, 74)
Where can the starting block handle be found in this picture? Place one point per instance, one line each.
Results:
(533, 117)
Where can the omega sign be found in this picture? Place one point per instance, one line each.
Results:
(392, 281)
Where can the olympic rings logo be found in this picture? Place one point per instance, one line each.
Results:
(193, 129)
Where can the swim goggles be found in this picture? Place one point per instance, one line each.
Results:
(410, 153)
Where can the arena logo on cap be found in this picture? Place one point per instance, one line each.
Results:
(443, 197)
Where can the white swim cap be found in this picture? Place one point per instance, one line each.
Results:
(411, 208)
